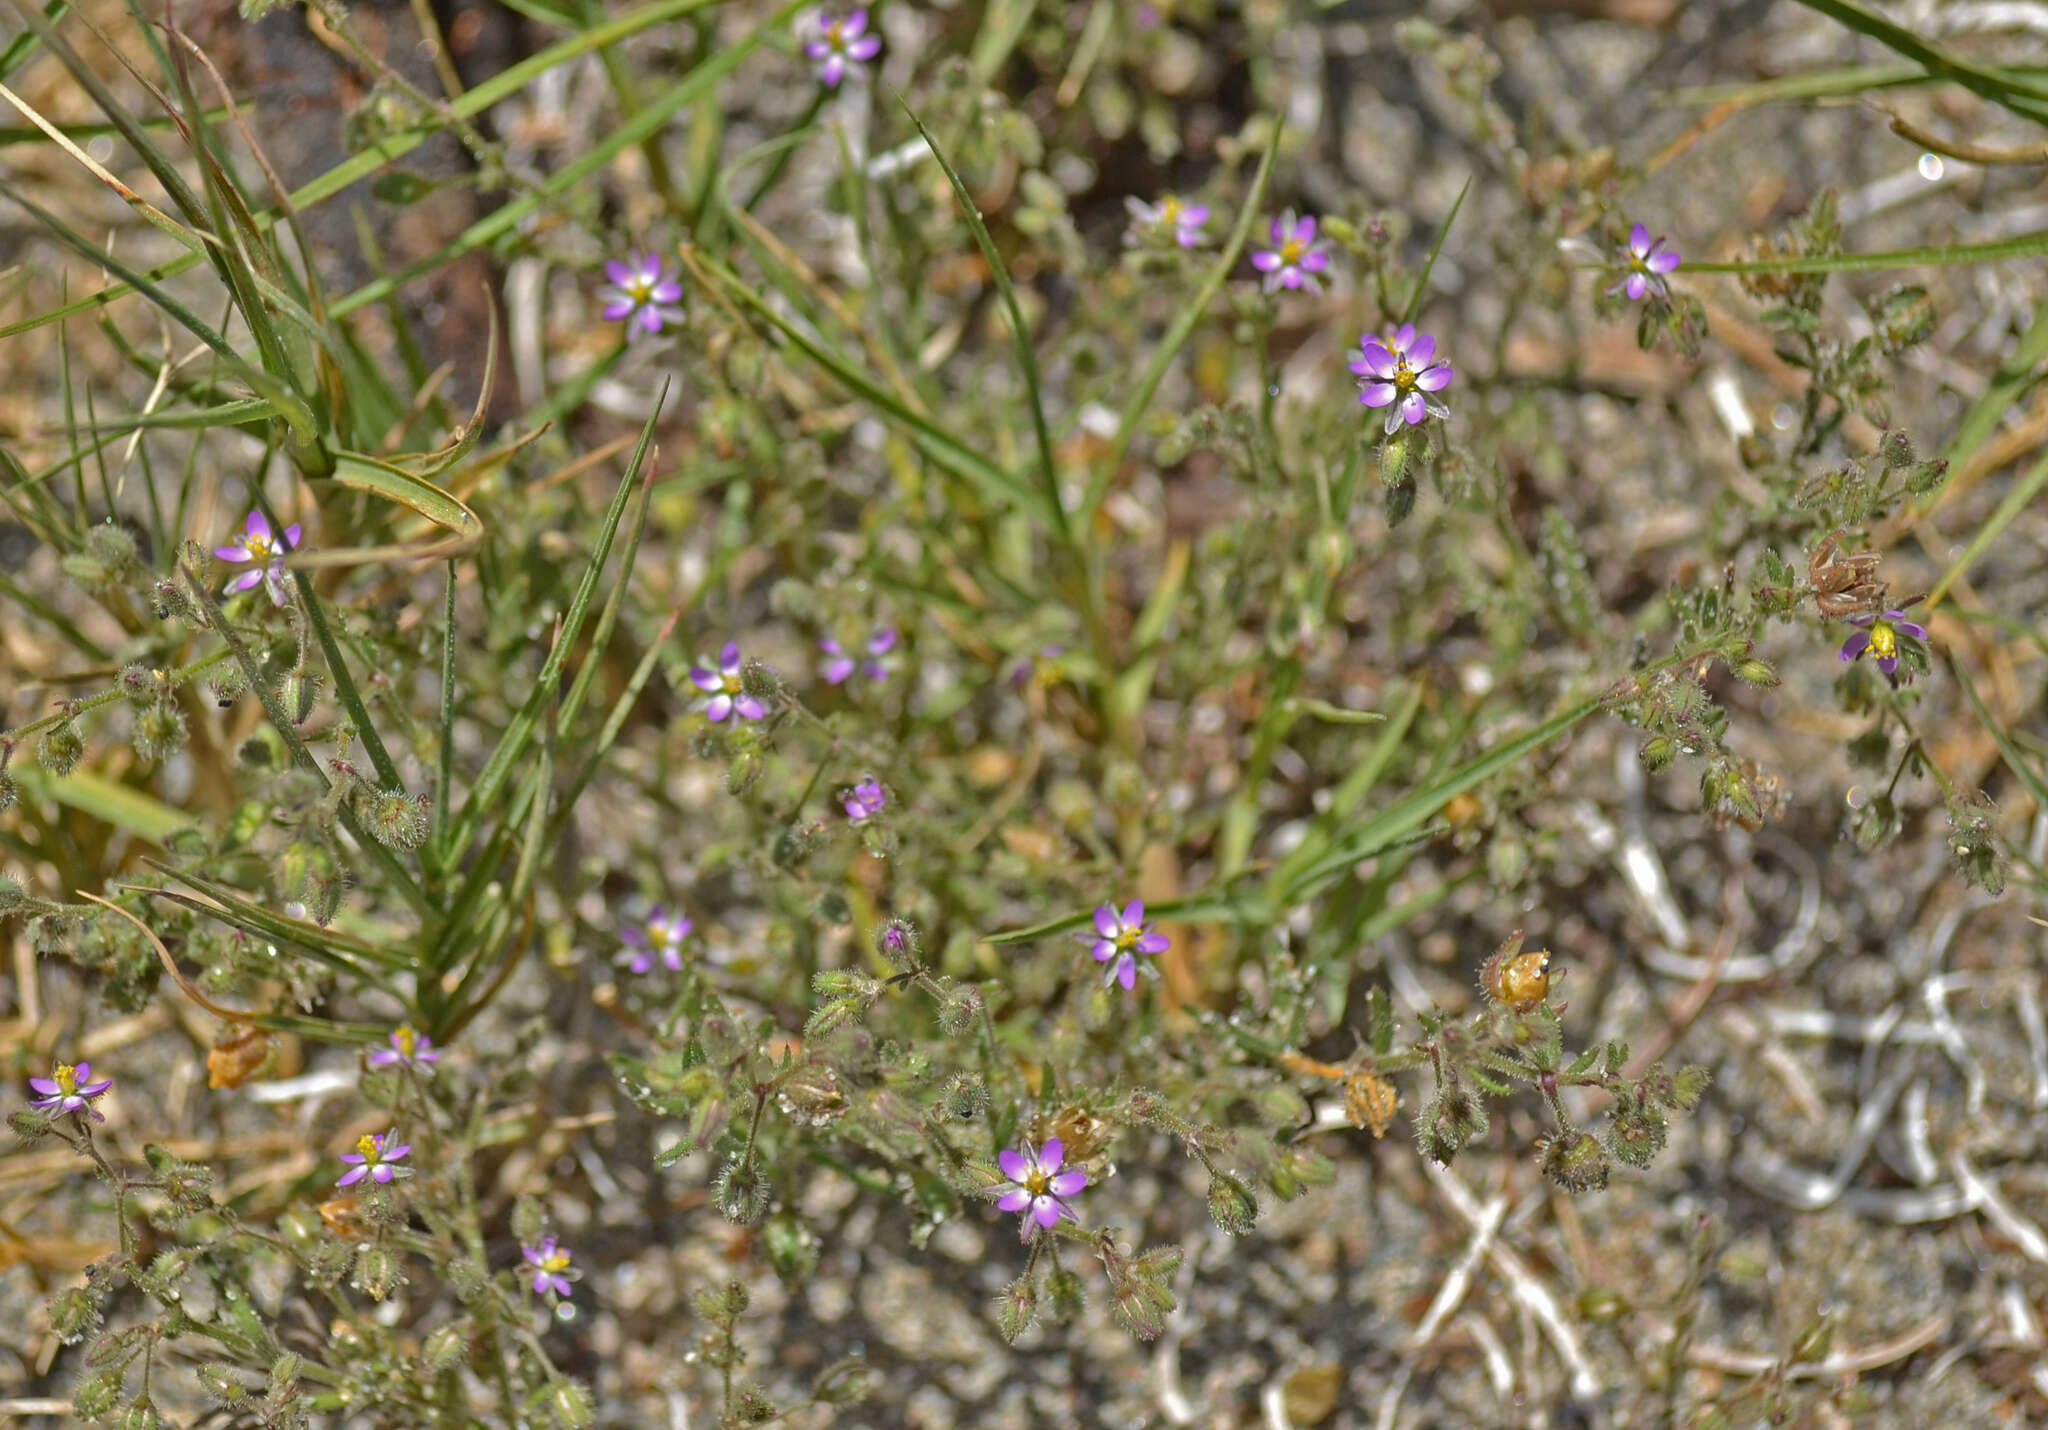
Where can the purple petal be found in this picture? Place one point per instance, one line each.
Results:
(1413, 408)
(1105, 920)
(1280, 226)
(816, 49)
(352, 1176)
(729, 658)
(257, 524)
(1305, 229)
(619, 309)
(704, 679)
(750, 708)
(1887, 663)
(618, 272)
(1014, 1201)
(1639, 239)
(1863, 618)
(864, 48)
(668, 291)
(832, 71)
(1265, 260)
(1404, 336)
(1662, 262)
(1905, 628)
(1314, 262)
(291, 537)
(1855, 645)
(1134, 913)
(1051, 1155)
(882, 641)
(1014, 1164)
(1377, 394)
(1154, 943)
(384, 1172)
(246, 581)
(1434, 378)
(837, 670)
(1104, 950)
(1378, 361)
(236, 554)
(855, 22)
(1421, 351)
(46, 1086)
(1066, 1184)
(1127, 972)
(719, 708)
(1045, 1211)
(1194, 215)
(1636, 286)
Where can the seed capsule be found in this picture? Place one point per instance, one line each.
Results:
(1518, 979)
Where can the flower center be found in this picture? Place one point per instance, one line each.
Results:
(1291, 251)
(641, 288)
(408, 1040)
(1038, 1181)
(835, 35)
(66, 1077)
(1169, 210)
(367, 1148)
(1884, 640)
(1404, 375)
(555, 1261)
(731, 684)
(257, 546)
(1127, 938)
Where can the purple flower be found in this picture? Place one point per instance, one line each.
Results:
(68, 1089)
(1399, 373)
(723, 686)
(376, 1158)
(841, 42)
(1645, 262)
(552, 1272)
(412, 1049)
(865, 800)
(1043, 667)
(1171, 219)
(1295, 258)
(263, 552)
(660, 937)
(841, 665)
(642, 294)
(1118, 940)
(1038, 1188)
(1879, 637)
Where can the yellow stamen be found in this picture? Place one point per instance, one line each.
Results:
(366, 1147)
(66, 1077)
(555, 1261)
(1291, 251)
(1884, 640)
(408, 1040)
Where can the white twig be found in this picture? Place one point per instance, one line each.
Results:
(1529, 1292)
(1997, 1211)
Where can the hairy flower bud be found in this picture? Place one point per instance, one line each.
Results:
(1573, 1160)
(898, 943)
(61, 748)
(377, 1272)
(1450, 1119)
(227, 685)
(791, 1247)
(159, 731)
(98, 1392)
(740, 1191)
(1016, 1308)
(1231, 1204)
(74, 1314)
(1064, 1298)
(397, 819)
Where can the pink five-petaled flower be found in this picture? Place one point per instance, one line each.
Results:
(660, 937)
(1118, 940)
(642, 294)
(840, 665)
(552, 1272)
(1296, 258)
(409, 1048)
(840, 43)
(68, 1089)
(1644, 263)
(376, 1158)
(723, 686)
(1172, 219)
(1399, 375)
(1038, 1188)
(263, 551)
(865, 800)
(1879, 637)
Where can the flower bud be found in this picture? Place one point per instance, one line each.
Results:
(218, 1378)
(1016, 1308)
(98, 1392)
(1064, 1298)
(10, 792)
(1573, 1160)
(172, 602)
(159, 731)
(445, 1346)
(142, 1416)
(569, 1406)
(397, 819)
(961, 1010)
(377, 1272)
(740, 1191)
(227, 685)
(61, 748)
(74, 1314)
(1231, 1204)
(844, 1383)
(791, 1247)
(898, 943)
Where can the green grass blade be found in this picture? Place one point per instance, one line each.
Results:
(2025, 245)
(1183, 325)
(2016, 501)
(1027, 358)
(2018, 93)
(1421, 288)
